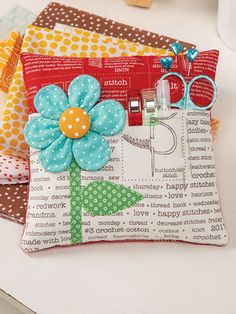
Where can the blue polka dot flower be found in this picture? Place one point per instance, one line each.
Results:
(74, 126)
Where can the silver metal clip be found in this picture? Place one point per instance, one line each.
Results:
(134, 106)
(149, 106)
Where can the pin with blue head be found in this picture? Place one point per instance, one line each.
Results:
(166, 62)
(191, 55)
(176, 48)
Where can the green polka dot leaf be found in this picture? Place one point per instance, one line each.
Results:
(99, 198)
(102, 198)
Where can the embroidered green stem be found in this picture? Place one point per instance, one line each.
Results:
(75, 203)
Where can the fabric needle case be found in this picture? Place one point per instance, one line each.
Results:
(154, 182)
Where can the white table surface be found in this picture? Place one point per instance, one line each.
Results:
(140, 278)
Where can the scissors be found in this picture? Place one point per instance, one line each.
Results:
(186, 102)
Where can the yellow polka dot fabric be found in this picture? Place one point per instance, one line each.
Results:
(74, 43)
(9, 56)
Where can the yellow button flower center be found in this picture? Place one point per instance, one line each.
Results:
(74, 122)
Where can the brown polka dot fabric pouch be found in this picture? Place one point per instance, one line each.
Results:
(13, 201)
(58, 13)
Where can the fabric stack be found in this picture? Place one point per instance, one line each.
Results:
(59, 30)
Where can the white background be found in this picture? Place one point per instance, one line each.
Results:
(140, 278)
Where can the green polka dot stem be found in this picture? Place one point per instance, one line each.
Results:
(76, 203)
(102, 198)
